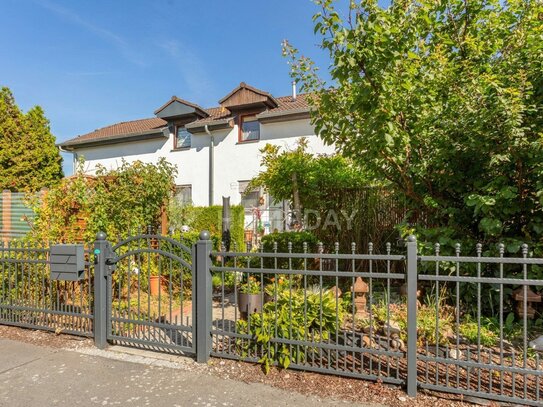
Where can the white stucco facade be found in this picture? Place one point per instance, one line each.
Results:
(233, 161)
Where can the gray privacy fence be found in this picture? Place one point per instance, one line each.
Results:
(459, 324)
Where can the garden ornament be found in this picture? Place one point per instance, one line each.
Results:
(359, 291)
(537, 344)
(531, 297)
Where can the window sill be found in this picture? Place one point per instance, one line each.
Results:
(248, 141)
(179, 149)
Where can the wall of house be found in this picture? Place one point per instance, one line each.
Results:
(234, 161)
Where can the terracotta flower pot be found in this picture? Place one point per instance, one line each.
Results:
(155, 285)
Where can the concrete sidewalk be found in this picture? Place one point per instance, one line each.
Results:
(39, 376)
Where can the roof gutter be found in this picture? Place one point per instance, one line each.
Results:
(145, 135)
(294, 114)
(212, 125)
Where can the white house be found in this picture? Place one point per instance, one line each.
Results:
(216, 149)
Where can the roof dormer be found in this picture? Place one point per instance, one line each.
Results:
(246, 97)
(177, 108)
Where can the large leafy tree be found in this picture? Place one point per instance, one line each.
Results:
(443, 99)
(29, 159)
(329, 196)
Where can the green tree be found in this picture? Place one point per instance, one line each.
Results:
(120, 202)
(444, 100)
(29, 159)
(330, 196)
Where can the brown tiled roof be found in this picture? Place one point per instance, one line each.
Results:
(286, 103)
(119, 129)
(135, 127)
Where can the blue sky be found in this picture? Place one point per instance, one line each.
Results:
(94, 63)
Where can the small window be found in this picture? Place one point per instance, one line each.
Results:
(182, 138)
(183, 194)
(249, 199)
(249, 128)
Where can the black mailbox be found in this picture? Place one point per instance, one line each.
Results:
(67, 262)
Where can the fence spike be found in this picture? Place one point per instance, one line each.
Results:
(457, 248)
(336, 247)
(437, 248)
(524, 249)
(479, 248)
(370, 247)
(320, 248)
(388, 247)
(501, 248)
(289, 246)
(304, 246)
(275, 247)
(353, 247)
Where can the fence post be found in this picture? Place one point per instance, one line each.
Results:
(412, 260)
(100, 290)
(201, 257)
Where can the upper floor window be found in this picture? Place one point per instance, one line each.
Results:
(249, 128)
(182, 138)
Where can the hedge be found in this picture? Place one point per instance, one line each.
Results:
(210, 218)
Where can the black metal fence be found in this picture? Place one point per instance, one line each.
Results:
(465, 324)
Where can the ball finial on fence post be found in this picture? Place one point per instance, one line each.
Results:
(101, 236)
(204, 235)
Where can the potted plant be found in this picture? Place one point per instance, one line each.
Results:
(249, 297)
(155, 279)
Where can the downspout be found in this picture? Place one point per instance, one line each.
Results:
(74, 157)
(211, 164)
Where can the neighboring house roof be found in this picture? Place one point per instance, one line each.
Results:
(286, 109)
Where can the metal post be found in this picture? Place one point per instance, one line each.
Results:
(201, 255)
(100, 290)
(412, 260)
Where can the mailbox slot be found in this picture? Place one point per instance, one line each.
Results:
(67, 262)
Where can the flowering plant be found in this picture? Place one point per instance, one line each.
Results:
(252, 286)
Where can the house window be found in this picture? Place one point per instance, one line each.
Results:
(249, 128)
(183, 194)
(249, 199)
(182, 138)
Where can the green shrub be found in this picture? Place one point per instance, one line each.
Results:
(468, 329)
(284, 238)
(209, 218)
(294, 315)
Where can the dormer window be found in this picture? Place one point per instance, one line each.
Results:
(182, 138)
(249, 128)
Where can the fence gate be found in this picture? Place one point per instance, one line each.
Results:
(148, 284)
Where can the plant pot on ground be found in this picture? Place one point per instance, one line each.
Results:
(250, 298)
(156, 281)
